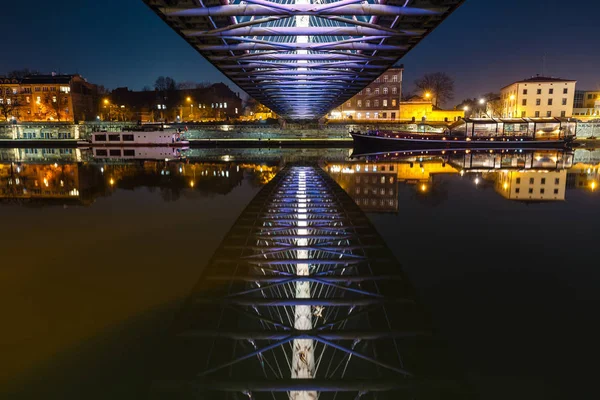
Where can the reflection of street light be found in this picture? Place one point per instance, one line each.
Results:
(593, 185)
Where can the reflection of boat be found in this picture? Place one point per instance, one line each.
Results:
(137, 152)
(474, 134)
(167, 138)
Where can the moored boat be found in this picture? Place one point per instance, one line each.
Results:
(161, 137)
(471, 133)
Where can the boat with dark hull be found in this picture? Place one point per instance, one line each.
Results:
(474, 134)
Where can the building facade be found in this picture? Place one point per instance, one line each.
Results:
(418, 109)
(216, 102)
(378, 101)
(61, 98)
(538, 97)
(587, 103)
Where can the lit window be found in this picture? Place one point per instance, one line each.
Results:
(348, 104)
(359, 103)
(28, 99)
(385, 102)
(394, 78)
(393, 102)
(54, 99)
(224, 105)
(236, 110)
(8, 101)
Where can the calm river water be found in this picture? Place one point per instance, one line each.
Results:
(99, 253)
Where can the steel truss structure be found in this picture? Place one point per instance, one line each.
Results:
(303, 300)
(301, 58)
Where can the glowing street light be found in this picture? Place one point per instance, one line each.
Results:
(482, 101)
(427, 95)
(106, 101)
(512, 96)
(466, 108)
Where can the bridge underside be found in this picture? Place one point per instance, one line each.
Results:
(303, 300)
(302, 58)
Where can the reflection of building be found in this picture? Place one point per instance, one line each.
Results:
(373, 187)
(511, 159)
(380, 100)
(532, 185)
(538, 97)
(584, 176)
(35, 183)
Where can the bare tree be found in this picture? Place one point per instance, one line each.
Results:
(21, 73)
(439, 84)
(9, 108)
(163, 83)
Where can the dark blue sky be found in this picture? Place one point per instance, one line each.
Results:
(485, 45)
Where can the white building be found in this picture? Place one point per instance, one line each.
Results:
(532, 185)
(538, 97)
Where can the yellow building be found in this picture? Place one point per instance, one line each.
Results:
(419, 109)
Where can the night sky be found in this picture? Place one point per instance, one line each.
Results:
(485, 45)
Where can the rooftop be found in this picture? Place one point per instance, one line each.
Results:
(541, 79)
(40, 79)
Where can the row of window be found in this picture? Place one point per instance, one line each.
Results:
(543, 181)
(374, 191)
(114, 138)
(374, 179)
(47, 135)
(375, 103)
(115, 152)
(538, 102)
(385, 78)
(375, 91)
(537, 114)
(376, 115)
(542, 191)
(538, 91)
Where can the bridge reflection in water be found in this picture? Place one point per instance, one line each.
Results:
(303, 300)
